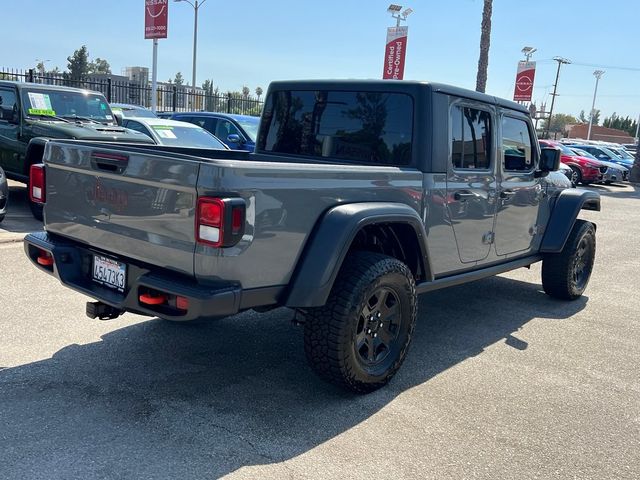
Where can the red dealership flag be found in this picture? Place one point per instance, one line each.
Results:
(395, 52)
(156, 17)
(524, 81)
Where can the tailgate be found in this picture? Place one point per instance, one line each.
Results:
(125, 201)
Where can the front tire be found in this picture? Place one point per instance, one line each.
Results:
(565, 275)
(360, 337)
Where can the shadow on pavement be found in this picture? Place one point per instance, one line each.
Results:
(19, 218)
(170, 400)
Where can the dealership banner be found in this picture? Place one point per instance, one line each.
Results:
(156, 15)
(524, 81)
(395, 52)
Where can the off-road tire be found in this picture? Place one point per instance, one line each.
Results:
(565, 275)
(332, 332)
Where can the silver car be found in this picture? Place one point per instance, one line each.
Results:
(4, 194)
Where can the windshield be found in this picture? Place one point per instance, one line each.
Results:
(622, 153)
(566, 150)
(582, 153)
(250, 126)
(132, 112)
(66, 104)
(186, 137)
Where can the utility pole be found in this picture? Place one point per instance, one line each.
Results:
(598, 74)
(560, 61)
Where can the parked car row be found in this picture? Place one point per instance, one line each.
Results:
(593, 163)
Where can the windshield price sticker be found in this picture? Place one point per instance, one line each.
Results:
(166, 133)
(42, 111)
(40, 101)
(162, 127)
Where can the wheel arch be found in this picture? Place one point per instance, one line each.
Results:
(394, 229)
(564, 215)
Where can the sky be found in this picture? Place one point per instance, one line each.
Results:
(252, 42)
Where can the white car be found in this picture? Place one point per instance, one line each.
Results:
(174, 133)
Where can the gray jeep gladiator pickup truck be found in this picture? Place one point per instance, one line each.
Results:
(360, 195)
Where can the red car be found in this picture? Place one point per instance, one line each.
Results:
(585, 170)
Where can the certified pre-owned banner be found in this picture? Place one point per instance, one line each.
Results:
(156, 13)
(395, 52)
(524, 81)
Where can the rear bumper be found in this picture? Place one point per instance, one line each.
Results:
(73, 266)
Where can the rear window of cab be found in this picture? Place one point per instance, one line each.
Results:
(372, 128)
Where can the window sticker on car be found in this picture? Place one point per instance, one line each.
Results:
(162, 127)
(165, 133)
(40, 101)
(42, 111)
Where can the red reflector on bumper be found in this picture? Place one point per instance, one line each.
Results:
(182, 303)
(149, 299)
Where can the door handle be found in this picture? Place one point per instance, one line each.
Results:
(507, 193)
(462, 195)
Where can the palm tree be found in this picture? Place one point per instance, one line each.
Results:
(485, 40)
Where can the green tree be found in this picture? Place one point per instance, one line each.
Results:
(596, 117)
(245, 91)
(582, 118)
(626, 124)
(78, 65)
(259, 92)
(178, 80)
(209, 98)
(99, 65)
(485, 41)
(559, 122)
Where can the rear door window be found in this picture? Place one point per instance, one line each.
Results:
(470, 138)
(357, 127)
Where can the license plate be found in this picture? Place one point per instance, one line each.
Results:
(109, 272)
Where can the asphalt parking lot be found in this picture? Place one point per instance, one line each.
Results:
(502, 382)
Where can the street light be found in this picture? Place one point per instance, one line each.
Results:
(528, 51)
(394, 10)
(195, 6)
(598, 74)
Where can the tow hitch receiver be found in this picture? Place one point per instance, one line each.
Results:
(102, 311)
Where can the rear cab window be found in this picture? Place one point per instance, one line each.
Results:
(371, 128)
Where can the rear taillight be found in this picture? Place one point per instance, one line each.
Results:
(37, 191)
(220, 221)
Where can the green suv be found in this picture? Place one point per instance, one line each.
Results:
(30, 111)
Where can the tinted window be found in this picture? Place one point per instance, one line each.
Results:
(470, 138)
(363, 127)
(516, 145)
(7, 104)
(138, 127)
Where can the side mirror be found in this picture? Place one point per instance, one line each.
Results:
(234, 138)
(118, 117)
(549, 159)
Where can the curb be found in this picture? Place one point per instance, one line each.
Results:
(11, 238)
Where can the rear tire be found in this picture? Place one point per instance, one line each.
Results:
(360, 337)
(565, 275)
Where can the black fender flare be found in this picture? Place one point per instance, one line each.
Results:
(34, 152)
(330, 241)
(563, 216)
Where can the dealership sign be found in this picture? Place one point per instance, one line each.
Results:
(524, 81)
(156, 14)
(395, 52)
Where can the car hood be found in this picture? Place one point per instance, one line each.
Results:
(615, 166)
(87, 131)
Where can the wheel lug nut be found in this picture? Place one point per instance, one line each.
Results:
(378, 315)
(380, 324)
(375, 335)
(369, 331)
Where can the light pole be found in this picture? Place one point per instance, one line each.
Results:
(560, 61)
(528, 51)
(598, 74)
(394, 10)
(195, 6)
